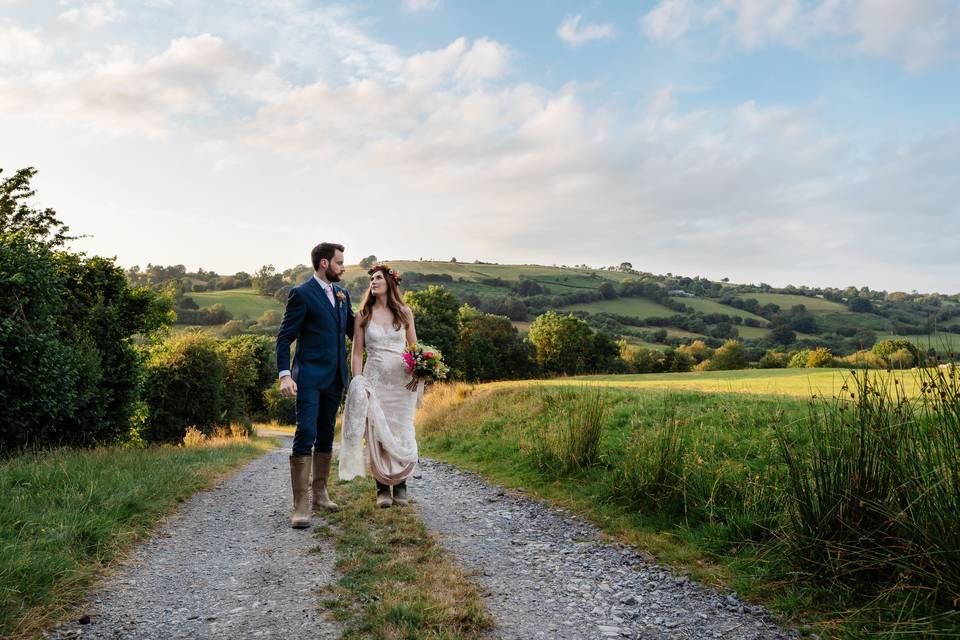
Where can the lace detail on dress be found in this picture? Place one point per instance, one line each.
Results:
(379, 397)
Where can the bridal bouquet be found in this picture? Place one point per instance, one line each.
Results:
(424, 362)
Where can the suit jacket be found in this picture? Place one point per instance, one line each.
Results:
(320, 330)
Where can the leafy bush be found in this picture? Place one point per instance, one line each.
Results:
(184, 387)
(70, 372)
(820, 357)
(279, 408)
(774, 360)
(885, 348)
(901, 359)
(730, 356)
(249, 370)
(799, 359)
(864, 359)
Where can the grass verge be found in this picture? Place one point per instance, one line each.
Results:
(397, 582)
(831, 511)
(65, 514)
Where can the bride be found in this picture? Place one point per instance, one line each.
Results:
(378, 416)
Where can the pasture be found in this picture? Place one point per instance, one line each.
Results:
(785, 301)
(636, 307)
(709, 306)
(796, 383)
(241, 303)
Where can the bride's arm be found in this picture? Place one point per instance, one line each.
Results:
(356, 353)
(411, 329)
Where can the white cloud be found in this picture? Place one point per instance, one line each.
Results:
(117, 93)
(669, 20)
(915, 33)
(422, 5)
(573, 34)
(93, 13)
(22, 47)
(486, 59)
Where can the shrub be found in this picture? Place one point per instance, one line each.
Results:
(249, 370)
(731, 355)
(184, 386)
(774, 360)
(901, 359)
(865, 359)
(799, 359)
(697, 350)
(885, 348)
(279, 408)
(820, 357)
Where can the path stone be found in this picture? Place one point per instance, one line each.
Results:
(226, 565)
(548, 574)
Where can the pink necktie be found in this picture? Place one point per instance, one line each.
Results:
(329, 289)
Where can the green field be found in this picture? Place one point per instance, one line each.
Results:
(785, 301)
(800, 383)
(752, 333)
(510, 272)
(241, 303)
(718, 485)
(636, 307)
(709, 306)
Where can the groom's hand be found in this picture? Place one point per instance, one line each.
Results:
(288, 387)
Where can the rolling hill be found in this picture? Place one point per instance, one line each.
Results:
(658, 310)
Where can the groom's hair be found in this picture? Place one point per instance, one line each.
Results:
(324, 250)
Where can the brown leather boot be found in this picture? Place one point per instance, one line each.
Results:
(321, 471)
(300, 480)
(400, 495)
(384, 499)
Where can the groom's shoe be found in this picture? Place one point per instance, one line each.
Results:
(383, 496)
(400, 495)
(300, 479)
(321, 471)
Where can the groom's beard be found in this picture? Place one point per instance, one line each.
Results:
(332, 276)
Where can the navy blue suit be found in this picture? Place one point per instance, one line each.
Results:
(320, 363)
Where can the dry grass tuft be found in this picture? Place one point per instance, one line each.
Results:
(397, 581)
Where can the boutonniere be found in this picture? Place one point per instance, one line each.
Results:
(341, 296)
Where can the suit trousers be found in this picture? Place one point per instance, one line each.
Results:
(316, 419)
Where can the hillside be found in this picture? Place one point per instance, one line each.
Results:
(656, 310)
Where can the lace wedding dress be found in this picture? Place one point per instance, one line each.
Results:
(378, 416)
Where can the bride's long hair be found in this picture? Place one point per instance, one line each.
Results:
(394, 299)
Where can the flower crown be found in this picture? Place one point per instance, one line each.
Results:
(386, 269)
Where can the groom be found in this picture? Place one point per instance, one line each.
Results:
(318, 316)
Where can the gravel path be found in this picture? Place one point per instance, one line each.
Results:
(226, 565)
(549, 575)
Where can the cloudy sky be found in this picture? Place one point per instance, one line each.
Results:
(786, 141)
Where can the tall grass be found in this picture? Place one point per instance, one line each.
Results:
(874, 483)
(571, 443)
(846, 508)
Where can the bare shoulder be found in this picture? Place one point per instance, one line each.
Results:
(407, 312)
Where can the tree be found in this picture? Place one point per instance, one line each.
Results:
(489, 347)
(266, 280)
(437, 321)
(626, 266)
(18, 217)
(732, 355)
(564, 344)
(885, 348)
(369, 261)
(860, 305)
(71, 374)
(781, 333)
(607, 290)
